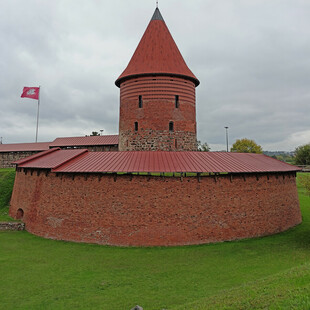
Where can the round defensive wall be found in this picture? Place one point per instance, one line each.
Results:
(61, 200)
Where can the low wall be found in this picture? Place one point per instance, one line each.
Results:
(6, 158)
(138, 210)
(11, 226)
(94, 148)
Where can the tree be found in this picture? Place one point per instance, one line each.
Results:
(203, 147)
(246, 146)
(95, 133)
(302, 155)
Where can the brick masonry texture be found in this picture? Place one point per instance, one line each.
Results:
(157, 111)
(135, 210)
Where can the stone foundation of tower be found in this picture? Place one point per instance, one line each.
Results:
(158, 140)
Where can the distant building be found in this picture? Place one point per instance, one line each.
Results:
(92, 143)
(13, 152)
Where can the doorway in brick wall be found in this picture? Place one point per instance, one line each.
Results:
(20, 214)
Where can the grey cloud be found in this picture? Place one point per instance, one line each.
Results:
(250, 56)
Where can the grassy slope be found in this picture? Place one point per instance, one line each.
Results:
(285, 290)
(271, 272)
(7, 177)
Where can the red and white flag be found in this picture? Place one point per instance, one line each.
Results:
(31, 92)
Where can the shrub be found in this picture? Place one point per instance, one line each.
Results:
(305, 182)
(7, 177)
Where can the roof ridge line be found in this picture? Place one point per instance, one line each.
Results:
(83, 151)
(35, 156)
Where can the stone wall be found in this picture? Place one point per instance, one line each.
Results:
(95, 148)
(6, 158)
(154, 140)
(11, 226)
(135, 210)
(156, 111)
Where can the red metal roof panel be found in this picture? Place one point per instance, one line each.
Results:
(35, 156)
(85, 141)
(24, 147)
(211, 162)
(80, 160)
(53, 159)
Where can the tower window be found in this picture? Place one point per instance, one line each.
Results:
(140, 102)
(136, 126)
(177, 101)
(171, 126)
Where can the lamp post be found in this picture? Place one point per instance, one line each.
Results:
(226, 137)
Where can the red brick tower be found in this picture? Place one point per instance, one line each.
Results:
(157, 95)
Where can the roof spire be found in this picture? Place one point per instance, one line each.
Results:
(157, 15)
(156, 53)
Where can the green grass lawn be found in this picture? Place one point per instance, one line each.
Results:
(265, 273)
(7, 177)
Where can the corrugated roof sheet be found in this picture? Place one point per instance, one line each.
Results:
(51, 159)
(175, 162)
(85, 141)
(212, 162)
(157, 53)
(24, 147)
(35, 156)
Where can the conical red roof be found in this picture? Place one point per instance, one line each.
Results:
(157, 53)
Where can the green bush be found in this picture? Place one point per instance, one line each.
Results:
(7, 177)
(304, 181)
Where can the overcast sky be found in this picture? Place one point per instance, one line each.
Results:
(252, 58)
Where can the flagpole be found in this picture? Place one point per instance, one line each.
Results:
(38, 112)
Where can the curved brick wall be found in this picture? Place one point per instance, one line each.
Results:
(151, 211)
(158, 109)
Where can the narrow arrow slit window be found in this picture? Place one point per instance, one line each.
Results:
(177, 101)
